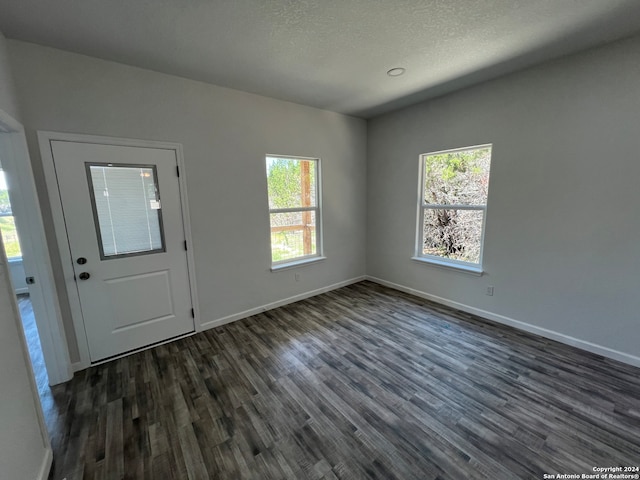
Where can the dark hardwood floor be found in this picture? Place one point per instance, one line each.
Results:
(50, 405)
(37, 359)
(33, 339)
(359, 383)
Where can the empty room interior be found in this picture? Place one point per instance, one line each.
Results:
(319, 240)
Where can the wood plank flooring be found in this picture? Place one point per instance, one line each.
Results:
(360, 383)
(32, 337)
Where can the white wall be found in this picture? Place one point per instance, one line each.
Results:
(225, 134)
(563, 225)
(562, 219)
(8, 101)
(24, 451)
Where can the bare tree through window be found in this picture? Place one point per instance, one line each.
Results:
(455, 184)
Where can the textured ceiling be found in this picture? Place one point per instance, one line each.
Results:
(331, 54)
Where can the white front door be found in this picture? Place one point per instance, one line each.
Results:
(126, 237)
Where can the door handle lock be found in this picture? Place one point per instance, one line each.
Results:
(81, 261)
(84, 276)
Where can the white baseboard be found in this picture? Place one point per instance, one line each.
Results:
(270, 306)
(77, 366)
(45, 468)
(527, 327)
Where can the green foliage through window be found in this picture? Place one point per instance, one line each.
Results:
(7, 223)
(285, 182)
(10, 237)
(292, 186)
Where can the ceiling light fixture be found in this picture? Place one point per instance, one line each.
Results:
(396, 72)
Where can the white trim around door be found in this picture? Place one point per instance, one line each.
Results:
(44, 139)
(37, 262)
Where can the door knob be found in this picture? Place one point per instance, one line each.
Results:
(84, 276)
(81, 261)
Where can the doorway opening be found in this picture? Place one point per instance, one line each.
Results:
(14, 254)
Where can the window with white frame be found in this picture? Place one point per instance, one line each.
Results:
(453, 204)
(294, 209)
(7, 223)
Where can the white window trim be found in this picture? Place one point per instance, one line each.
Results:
(449, 263)
(299, 262)
(305, 259)
(464, 267)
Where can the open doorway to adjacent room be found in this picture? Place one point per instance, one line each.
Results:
(13, 251)
(31, 273)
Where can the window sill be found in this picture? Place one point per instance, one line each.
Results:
(296, 263)
(469, 269)
(14, 260)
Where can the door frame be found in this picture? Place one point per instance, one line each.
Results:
(44, 296)
(44, 140)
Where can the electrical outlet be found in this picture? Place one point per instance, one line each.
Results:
(296, 276)
(490, 290)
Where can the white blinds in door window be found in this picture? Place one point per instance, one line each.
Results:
(126, 207)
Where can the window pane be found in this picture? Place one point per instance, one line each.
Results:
(457, 178)
(454, 234)
(7, 222)
(5, 205)
(293, 235)
(126, 205)
(10, 237)
(291, 182)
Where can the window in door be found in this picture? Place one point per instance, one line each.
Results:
(126, 209)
